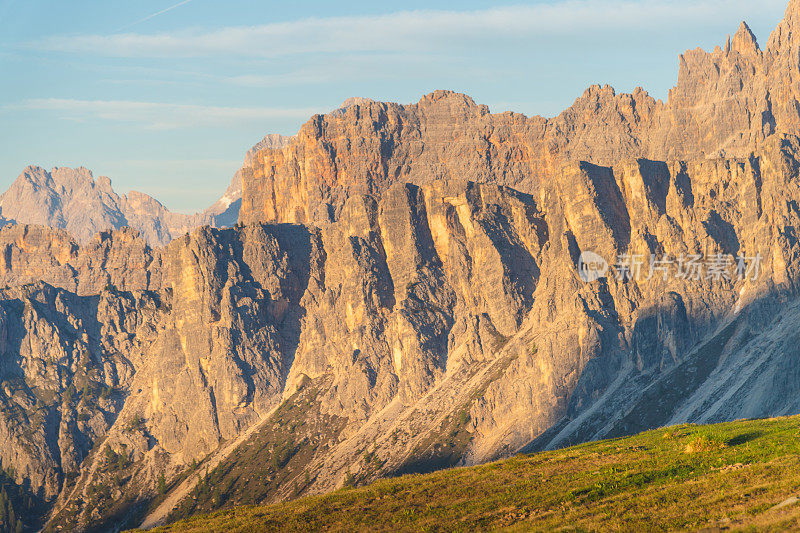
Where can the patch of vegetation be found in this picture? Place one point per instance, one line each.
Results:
(136, 423)
(104, 494)
(69, 394)
(704, 443)
(443, 448)
(274, 461)
(163, 487)
(18, 508)
(114, 461)
(740, 472)
(94, 390)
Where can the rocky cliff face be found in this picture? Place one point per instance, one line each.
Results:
(73, 200)
(437, 325)
(405, 294)
(225, 211)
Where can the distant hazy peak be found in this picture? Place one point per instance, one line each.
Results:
(272, 141)
(72, 199)
(356, 100)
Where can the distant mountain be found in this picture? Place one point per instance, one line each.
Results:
(73, 200)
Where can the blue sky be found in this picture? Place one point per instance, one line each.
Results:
(165, 97)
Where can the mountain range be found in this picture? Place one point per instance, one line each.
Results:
(405, 291)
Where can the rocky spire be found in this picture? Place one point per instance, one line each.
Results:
(744, 41)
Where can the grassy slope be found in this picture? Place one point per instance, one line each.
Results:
(687, 477)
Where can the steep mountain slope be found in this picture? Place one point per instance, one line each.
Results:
(405, 295)
(72, 200)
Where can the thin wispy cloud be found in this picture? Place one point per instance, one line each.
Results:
(353, 68)
(154, 15)
(410, 30)
(160, 116)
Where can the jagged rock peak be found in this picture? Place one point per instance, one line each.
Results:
(272, 141)
(34, 174)
(745, 41)
(63, 177)
(597, 89)
(80, 171)
(104, 183)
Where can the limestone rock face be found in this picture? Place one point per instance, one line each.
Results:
(225, 212)
(120, 259)
(451, 310)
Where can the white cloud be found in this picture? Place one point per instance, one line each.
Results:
(414, 30)
(153, 115)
